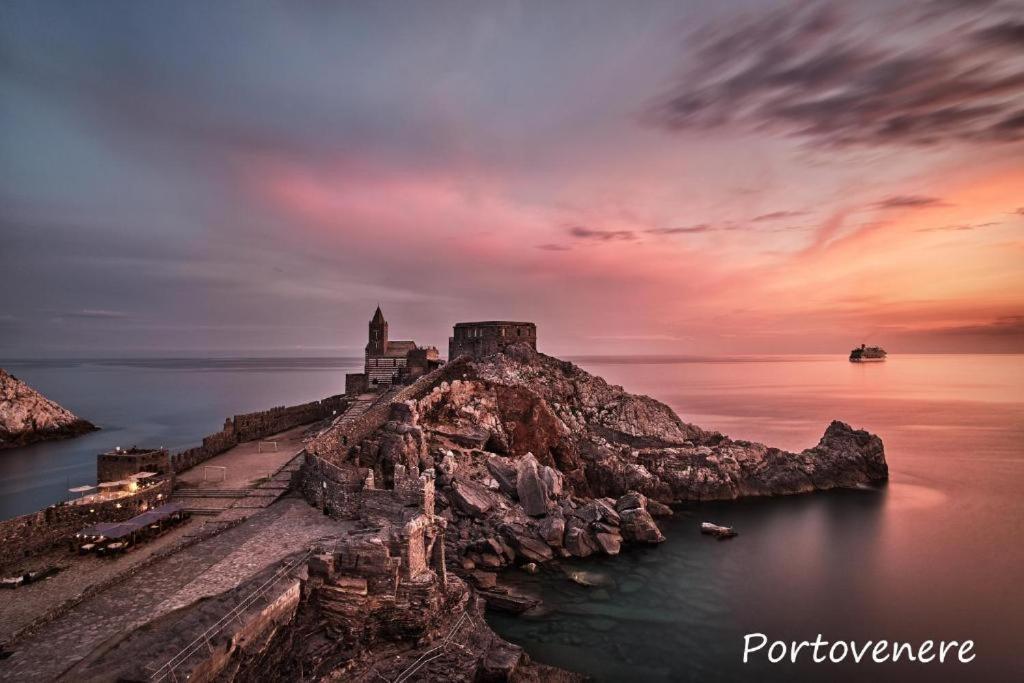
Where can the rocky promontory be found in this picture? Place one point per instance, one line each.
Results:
(26, 416)
(535, 459)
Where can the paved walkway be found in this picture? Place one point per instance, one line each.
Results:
(32, 601)
(206, 568)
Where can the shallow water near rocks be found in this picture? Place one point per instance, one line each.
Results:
(936, 554)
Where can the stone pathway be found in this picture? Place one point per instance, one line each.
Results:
(206, 568)
(360, 405)
(33, 601)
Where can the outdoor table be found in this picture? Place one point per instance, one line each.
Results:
(88, 547)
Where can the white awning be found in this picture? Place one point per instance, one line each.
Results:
(143, 475)
(112, 484)
(81, 489)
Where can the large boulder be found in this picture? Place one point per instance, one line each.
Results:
(631, 501)
(578, 540)
(598, 510)
(610, 542)
(552, 530)
(533, 492)
(530, 547)
(504, 472)
(471, 498)
(637, 526)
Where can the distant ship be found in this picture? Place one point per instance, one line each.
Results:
(867, 354)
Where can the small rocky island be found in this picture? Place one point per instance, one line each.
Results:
(26, 416)
(380, 544)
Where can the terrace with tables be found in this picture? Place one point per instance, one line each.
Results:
(113, 490)
(108, 538)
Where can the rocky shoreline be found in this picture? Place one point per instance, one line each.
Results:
(535, 459)
(26, 416)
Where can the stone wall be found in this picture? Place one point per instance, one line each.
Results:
(214, 444)
(333, 490)
(266, 422)
(258, 425)
(33, 533)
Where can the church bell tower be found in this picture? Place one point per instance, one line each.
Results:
(378, 343)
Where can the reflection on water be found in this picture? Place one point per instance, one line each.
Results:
(936, 554)
(910, 497)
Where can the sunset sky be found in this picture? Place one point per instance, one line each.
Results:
(669, 178)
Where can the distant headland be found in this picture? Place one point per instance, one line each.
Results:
(26, 416)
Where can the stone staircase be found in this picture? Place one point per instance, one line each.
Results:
(360, 405)
(211, 493)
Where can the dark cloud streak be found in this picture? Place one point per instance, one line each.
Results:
(581, 232)
(777, 215)
(908, 202)
(811, 72)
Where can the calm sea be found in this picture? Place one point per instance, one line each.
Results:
(937, 554)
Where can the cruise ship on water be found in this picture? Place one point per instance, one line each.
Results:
(867, 354)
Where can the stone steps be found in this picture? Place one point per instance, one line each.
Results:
(204, 511)
(211, 493)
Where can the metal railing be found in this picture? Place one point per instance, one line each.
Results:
(431, 654)
(182, 656)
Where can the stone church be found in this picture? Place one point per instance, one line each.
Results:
(390, 361)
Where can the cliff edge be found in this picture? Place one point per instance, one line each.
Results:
(26, 416)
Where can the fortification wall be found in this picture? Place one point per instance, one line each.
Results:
(258, 425)
(214, 444)
(33, 533)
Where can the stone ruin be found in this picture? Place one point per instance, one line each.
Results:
(386, 579)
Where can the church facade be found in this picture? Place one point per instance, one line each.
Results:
(389, 361)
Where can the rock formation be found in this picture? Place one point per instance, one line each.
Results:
(26, 416)
(536, 459)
